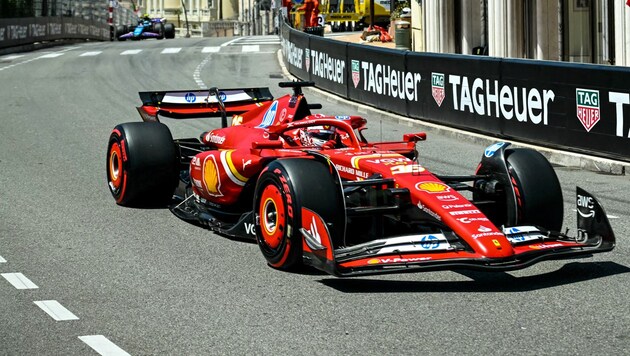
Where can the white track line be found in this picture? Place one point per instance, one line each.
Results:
(103, 346)
(90, 54)
(210, 49)
(230, 42)
(171, 50)
(51, 55)
(56, 310)
(10, 58)
(19, 281)
(250, 48)
(261, 43)
(130, 51)
(2, 260)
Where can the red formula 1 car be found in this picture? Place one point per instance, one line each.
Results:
(310, 189)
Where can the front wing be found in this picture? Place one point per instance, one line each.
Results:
(426, 252)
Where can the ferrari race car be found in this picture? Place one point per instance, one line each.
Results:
(153, 28)
(311, 190)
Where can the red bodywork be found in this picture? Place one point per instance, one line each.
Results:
(261, 132)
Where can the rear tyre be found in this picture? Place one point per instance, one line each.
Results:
(283, 188)
(121, 30)
(159, 29)
(169, 30)
(538, 191)
(142, 167)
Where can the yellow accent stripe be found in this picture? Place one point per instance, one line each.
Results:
(228, 159)
(355, 160)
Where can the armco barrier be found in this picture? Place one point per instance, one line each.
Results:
(24, 31)
(575, 107)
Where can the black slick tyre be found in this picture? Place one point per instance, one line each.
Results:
(142, 165)
(537, 189)
(121, 30)
(169, 30)
(283, 188)
(159, 29)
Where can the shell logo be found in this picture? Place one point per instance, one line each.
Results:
(211, 177)
(374, 261)
(433, 187)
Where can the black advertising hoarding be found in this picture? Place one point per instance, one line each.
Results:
(378, 77)
(294, 50)
(15, 32)
(457, 91)
(588, 105)
(22, 31)
(540, 109)
(327, 65)
(285, 32)
(577, 107)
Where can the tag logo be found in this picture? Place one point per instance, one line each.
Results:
(356, 73)
(437, 87)
(587, 102)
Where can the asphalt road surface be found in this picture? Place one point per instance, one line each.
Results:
(81, 274)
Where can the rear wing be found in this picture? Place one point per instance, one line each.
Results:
(185, 104)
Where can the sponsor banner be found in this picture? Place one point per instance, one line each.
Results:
(379, 77)
(577, 107)
(28, 30)
(455, 92)
(203, 96)
(413, 243)
(294, 50)
(590, 112)
(327, 65)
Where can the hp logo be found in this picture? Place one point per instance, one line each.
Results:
(190, 97)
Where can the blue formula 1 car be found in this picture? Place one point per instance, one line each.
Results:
(146, 28)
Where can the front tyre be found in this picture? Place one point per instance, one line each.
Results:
(537, 189)
(282, 190)
(142, 167)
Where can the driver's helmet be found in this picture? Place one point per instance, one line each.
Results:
(316, 136)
